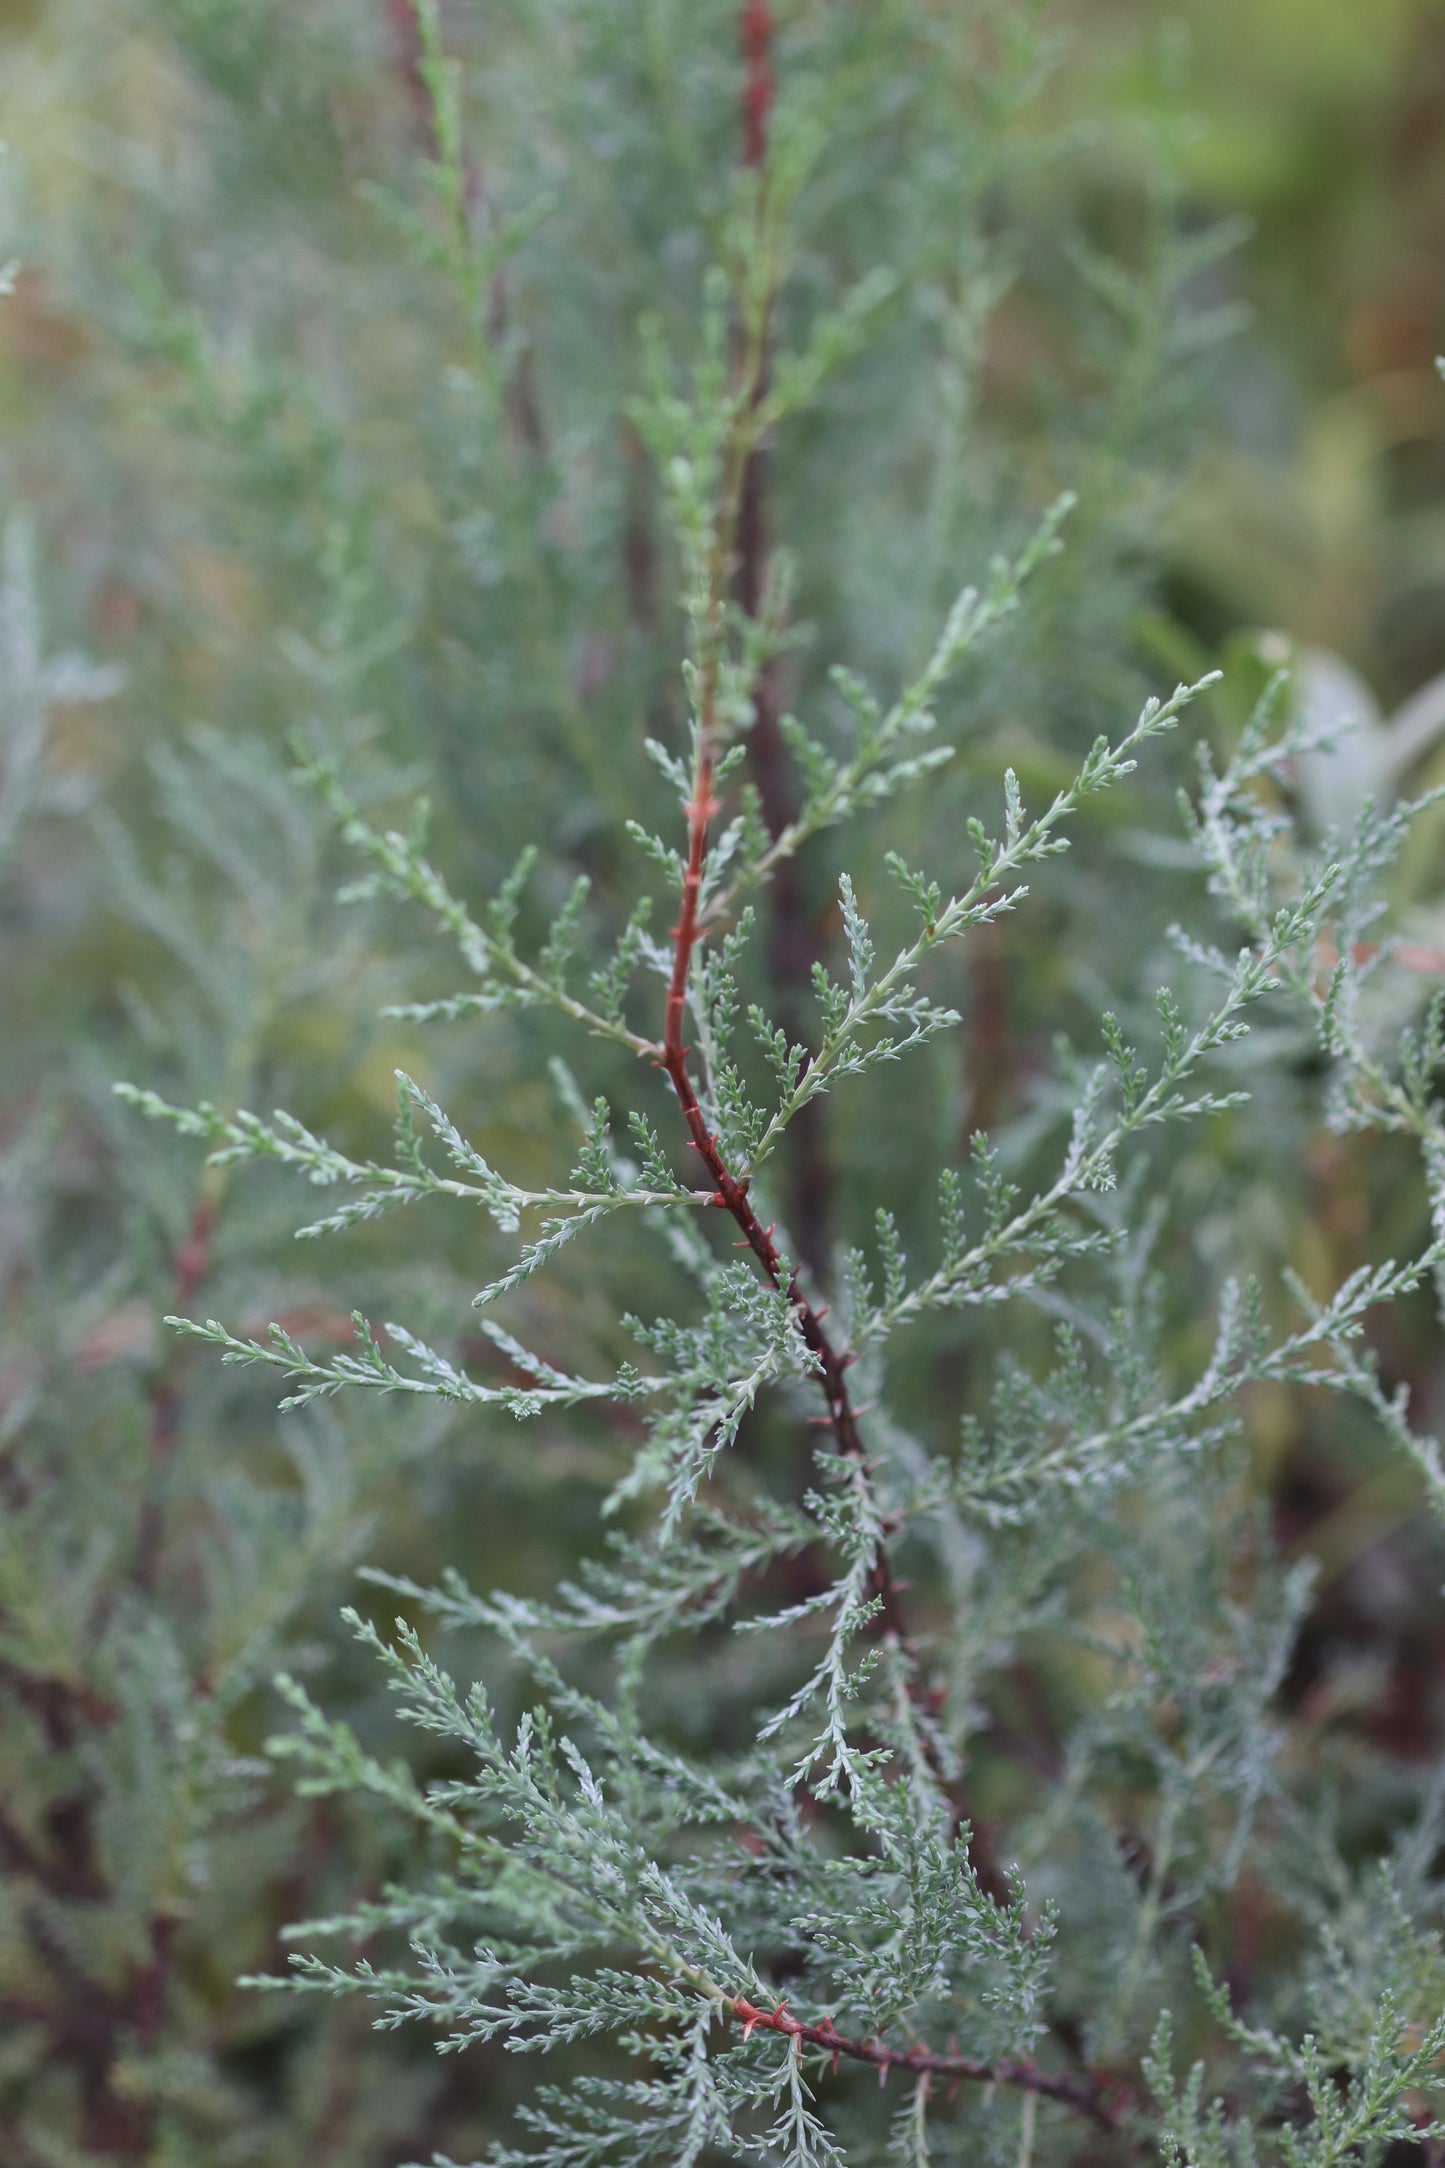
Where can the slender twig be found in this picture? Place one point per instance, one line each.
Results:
(406, 35)
(755, 28)
(1103, 2102)
(730, 1193)
(792, 943)
(192, 1263)
(522, 412)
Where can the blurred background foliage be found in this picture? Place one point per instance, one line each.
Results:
(1317, 505)
(263, 468)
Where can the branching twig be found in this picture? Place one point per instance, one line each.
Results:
(730, 1193)
(793, 947)
(407, 26)
(1104, 2103)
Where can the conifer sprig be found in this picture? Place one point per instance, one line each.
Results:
(243, 1136)
(489, 950)
(1099, 2101)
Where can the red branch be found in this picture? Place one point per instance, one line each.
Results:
(793, 945)
(192, 1263)
(755, 34)
(521, 402)
(62, 1705)
(756, 27)
(94, 2029)
(1103, 2103)
(401, 15)
(728, 1192)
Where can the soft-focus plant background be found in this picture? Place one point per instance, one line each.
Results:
(234, 552)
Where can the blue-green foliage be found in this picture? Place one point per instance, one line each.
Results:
(801, 1871)
(882, 1648)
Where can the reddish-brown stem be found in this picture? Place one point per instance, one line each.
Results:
(792, 943)
(20, 1857)
(192, 1263)
(521, 400)
(731, 1194)
(62, 1705)
(728, 1192)
(1103, 2103)
(755, 35)
(94, 2028)
(405, 30)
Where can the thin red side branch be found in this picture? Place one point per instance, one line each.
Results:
(1103, 2103)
